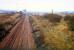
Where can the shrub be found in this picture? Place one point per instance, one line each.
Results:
(71, 23)
(53, 17)
(67, 18)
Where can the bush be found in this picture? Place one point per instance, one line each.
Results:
(71, 23)
(67, 18)
(53, 17)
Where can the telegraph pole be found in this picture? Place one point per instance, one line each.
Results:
(52, 13)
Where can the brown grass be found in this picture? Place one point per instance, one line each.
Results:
(54, 36)
(8, 18)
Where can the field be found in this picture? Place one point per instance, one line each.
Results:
(52, 35)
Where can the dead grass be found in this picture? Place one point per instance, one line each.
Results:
(7, 21)
(7, 18)
(55, 36)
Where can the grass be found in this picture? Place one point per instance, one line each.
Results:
(7, 18)
(6, 22)
(55, 36)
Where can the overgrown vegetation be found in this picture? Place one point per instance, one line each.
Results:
(53, 17)
(56, 37)
(7, 21)
(70, 23)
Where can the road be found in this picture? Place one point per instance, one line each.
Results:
(20, 36)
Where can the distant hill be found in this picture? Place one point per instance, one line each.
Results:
(68, 12)
(7, 11)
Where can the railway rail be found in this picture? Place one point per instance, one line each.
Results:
(20, 36)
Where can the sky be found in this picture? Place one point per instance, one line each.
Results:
(38, 5)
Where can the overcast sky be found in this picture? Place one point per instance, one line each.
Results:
(38, 5)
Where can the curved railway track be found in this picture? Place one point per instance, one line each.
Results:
(20, 36)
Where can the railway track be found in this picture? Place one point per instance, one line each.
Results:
(20, 36)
